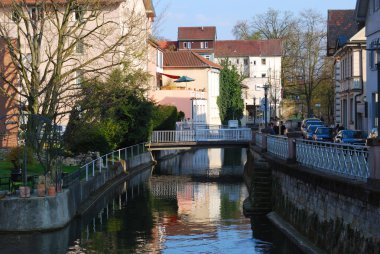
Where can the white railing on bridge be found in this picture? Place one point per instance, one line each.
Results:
(238, 134)
(278, 145)
(346, 160)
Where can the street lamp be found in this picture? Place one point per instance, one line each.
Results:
(254, 110)
(378, 99)
(266, 87)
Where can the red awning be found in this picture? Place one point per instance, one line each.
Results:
(171, 76)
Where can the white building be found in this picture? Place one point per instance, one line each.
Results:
(259, 61)
(350, 71)
(368, 15)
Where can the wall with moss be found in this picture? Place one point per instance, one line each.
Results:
(339, 217)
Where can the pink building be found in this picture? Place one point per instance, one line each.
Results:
(197, 99)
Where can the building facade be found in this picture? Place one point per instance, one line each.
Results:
(368, 15)
(196, 98)
(99, 39)
(259, 61)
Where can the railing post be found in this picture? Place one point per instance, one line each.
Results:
(373, 161)
(264, 143)
(292, 155)
(253, 137)
(86, 172)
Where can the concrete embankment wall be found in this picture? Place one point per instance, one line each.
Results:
(336, 214)
(48, 213)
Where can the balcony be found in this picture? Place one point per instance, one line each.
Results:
(351, 85)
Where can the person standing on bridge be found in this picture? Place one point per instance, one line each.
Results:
(282, 128)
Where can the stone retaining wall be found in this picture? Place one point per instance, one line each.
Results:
(336, 214)
(48, 213)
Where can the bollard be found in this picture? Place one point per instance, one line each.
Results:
(292, 154)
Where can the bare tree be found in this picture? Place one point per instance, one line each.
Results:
(53, 45)
(273, 24)
(241, 30)
(305, 67)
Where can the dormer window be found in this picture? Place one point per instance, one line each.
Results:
(187, 45)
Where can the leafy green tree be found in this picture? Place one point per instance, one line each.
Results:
(165, 117)
(115, 112)
(230, 102)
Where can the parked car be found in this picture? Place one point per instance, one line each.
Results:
(308, 134)
(310, 121)
(353, 137)
(323, 134)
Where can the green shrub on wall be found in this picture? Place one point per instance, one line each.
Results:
(165, 117)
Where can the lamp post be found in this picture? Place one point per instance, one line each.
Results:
(266, 87)
(378, 99)
(254, 110)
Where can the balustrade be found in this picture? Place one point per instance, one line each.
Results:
(346, 160)
(278, 145)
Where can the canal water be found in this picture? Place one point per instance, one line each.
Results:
(190, 203)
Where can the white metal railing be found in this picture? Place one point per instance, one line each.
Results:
(259, 139)
(278, 146)
(238, 134)
(133, 155)
(347, 160)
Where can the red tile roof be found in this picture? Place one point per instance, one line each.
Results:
(189, 59)
(234, 48)
(341, 24)
(207, 33)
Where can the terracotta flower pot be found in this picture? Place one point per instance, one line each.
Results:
(41, 190)
(51, 191)
(24, 191)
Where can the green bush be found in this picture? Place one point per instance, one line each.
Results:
(164, 117)
(87, 137)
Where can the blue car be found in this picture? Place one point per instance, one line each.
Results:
(323, 134)
(353, 137)
(310, 131)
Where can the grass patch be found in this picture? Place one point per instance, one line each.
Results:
(35, 169)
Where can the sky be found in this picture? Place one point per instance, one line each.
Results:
(225, 13)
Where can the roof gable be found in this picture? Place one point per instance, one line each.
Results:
(197, 33)
(235, 48)
(341, 26)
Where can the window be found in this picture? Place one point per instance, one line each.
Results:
(79, 77)
(245, 61)
(237, 61)
(376, 5)
(78, 13)
(79, 48)
(254, 62)
(207, 57)
(202, 45)
(263, 61)
(187, 45)
(160, 59)
(206, 44)
(15, 17)
(34, 13)
(263, 75)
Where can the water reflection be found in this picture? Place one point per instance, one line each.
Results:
(170, 211)
(215, 162)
